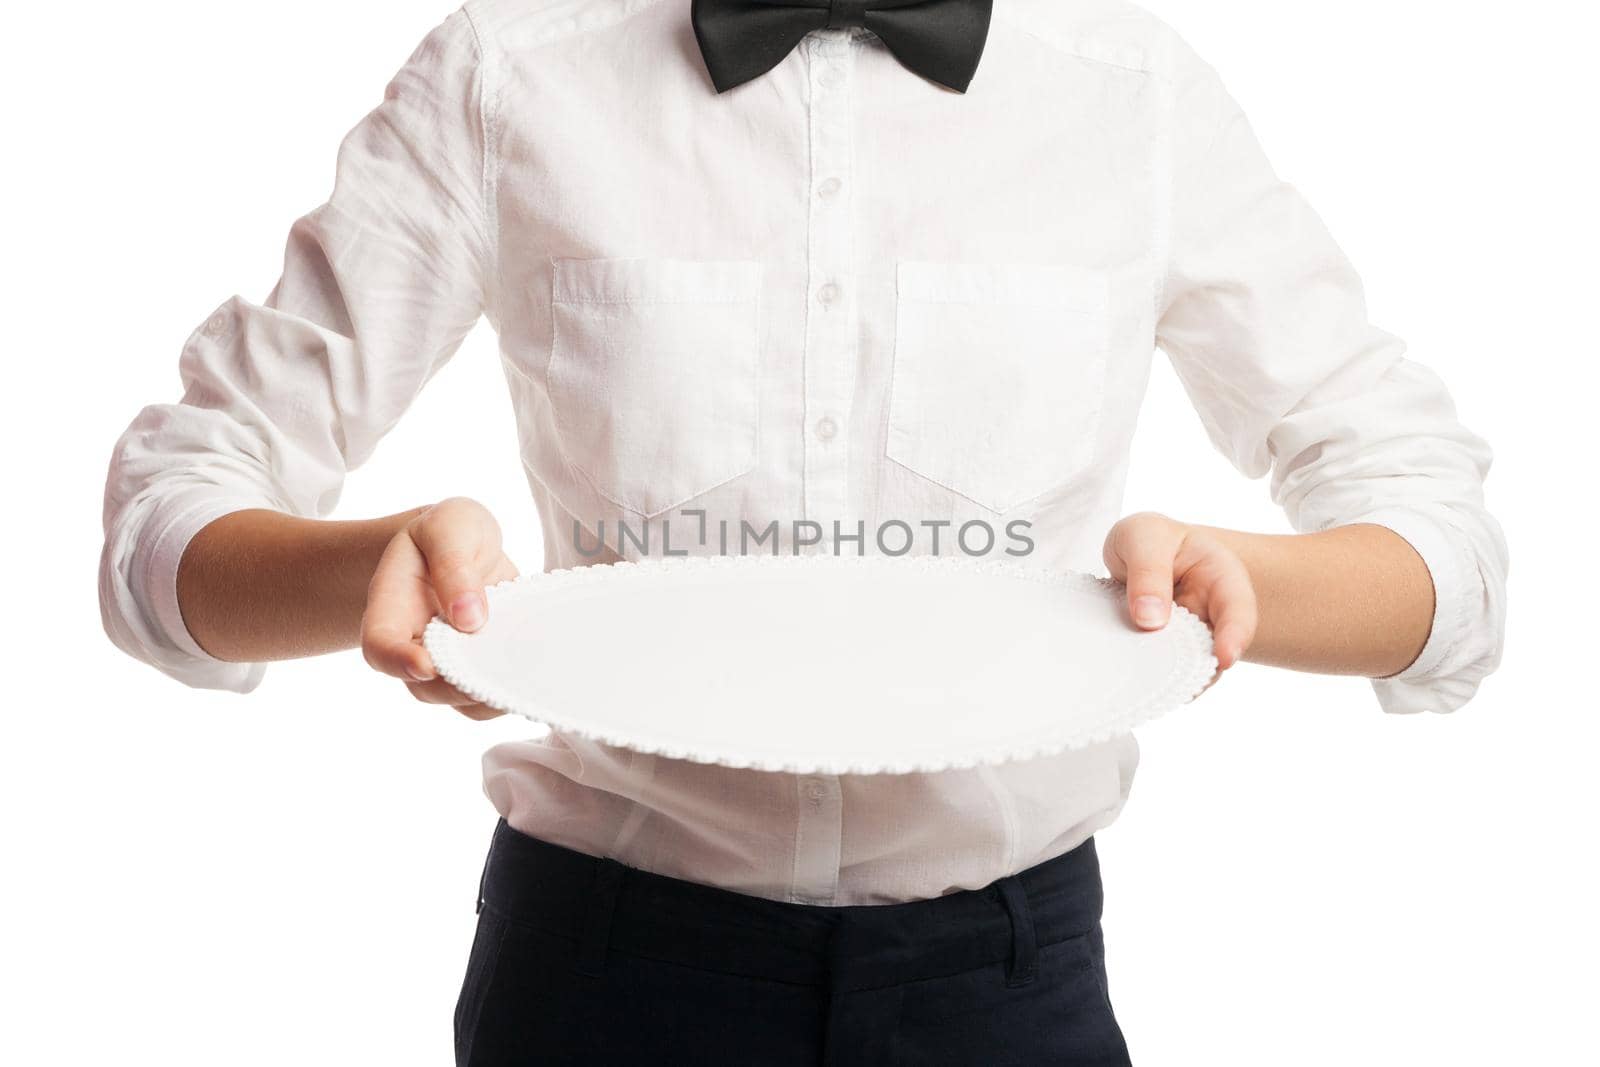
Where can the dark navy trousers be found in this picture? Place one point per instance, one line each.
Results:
(582, 960)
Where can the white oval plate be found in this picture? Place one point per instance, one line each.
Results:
(826, 664)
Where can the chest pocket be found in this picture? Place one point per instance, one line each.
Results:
(653, 375)
(998, 376)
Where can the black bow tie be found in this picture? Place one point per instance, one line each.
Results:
(939, 39)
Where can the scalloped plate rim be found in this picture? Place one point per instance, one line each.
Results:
(441, 640)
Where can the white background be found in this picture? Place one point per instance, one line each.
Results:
(288, 877)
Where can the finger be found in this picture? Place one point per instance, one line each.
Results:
(1146, 553)
(1233, 615)
(480, 712)
(439, 691)
(399, 605)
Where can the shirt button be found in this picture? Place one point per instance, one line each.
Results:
(216, 325)
(829, 189)
(830, 77)
(828, 294)
(815, 792)
(827, 429)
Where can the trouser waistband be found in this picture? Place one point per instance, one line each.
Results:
(609, 907)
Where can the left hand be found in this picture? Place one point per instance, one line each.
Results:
(1163, 561)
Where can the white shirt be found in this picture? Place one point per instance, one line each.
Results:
(837, 293)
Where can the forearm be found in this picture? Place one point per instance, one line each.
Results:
(258, 585)
(1348, 600)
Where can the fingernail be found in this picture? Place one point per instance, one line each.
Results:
(418, 675)
(467, 612)
(1149, 611)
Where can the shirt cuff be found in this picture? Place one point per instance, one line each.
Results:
(1421, 686)
(157, 572)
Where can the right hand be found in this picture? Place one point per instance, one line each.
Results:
(438, 564)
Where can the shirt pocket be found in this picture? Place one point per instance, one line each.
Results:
(653, 375)
(998, 376)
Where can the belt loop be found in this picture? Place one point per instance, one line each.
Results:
(1023, 966)
(596, 934)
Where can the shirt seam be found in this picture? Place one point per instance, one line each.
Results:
(1163, 202)
(793, 895)
(489, 175)
(1233, 114)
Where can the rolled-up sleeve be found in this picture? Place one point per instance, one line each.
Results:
(380, 285)
(1266, 324)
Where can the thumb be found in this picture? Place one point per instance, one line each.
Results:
(459, 587)
(1146, 558)
(454, 547)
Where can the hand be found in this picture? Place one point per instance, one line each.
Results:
(1162, 560)
(439, 563)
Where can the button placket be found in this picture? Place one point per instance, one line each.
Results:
(831, 313)
(817, 839)
(829, 373)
